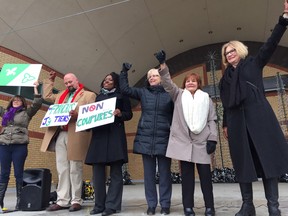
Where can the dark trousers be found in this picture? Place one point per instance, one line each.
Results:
(16, 154)
(165, 181)
(113, 198)
(188, 183)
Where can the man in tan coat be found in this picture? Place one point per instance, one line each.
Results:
(70, 146)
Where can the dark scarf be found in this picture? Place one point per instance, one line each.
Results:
(9, 115)
(233, 86)
(66, 92)
(106, 91)
(156, 88)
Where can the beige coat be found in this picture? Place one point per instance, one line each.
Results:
(78, 142)
(183, 144)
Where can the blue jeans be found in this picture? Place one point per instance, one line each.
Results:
(16, 154)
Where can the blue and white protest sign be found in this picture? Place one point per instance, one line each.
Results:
(96, 114)
(58, 114)
(19, 74)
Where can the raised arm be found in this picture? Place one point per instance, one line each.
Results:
(285, 9)
(124, 85)
(37, 102)
(166, 80)
(267, 50)
(48, 85)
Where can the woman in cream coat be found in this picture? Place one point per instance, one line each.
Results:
(193, 135)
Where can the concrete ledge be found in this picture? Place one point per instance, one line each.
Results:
(226, 195)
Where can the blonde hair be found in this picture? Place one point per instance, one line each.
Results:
(240, 48)
(151, 71)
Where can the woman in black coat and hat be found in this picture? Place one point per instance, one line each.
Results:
(257, 145)
(108, 147)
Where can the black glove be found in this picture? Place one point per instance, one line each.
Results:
(126, 66)
(161, 56)
(210, 146)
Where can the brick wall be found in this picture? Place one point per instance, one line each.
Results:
(37, 159)
(221, 158)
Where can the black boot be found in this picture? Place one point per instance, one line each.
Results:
(189, 212)
(3, 188)
(210, 211)
(272, 195)
(18, 194)
(247, 208)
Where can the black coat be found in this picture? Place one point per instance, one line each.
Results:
(108, 143)
(255, 137)
(154, 125)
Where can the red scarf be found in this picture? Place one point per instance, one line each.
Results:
(62, 98)
(65, 93)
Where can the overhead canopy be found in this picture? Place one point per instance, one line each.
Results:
(94, 37)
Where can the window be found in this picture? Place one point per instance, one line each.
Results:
(27, 92)
(13, 90)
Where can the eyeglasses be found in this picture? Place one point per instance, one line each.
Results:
(230, 52)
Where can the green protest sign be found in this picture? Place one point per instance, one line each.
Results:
(19, 74)
(96, 114)
(58, 114)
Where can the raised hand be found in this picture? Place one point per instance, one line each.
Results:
(126, 66)
(36, 84)
(283, 20)
(52, 75)
(161, 56)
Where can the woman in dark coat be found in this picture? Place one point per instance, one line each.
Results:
(152, 136)
(257, 145)
(109, 148)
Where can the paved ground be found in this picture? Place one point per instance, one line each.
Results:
(227, 201)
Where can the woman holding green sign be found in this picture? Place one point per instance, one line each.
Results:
(14, 139)
(109, 148)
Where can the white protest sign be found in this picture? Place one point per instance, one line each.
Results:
(19, 74)
(96, 114)
(58, 114)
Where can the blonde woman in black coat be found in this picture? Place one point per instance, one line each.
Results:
(152, 137)
(257, 145)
